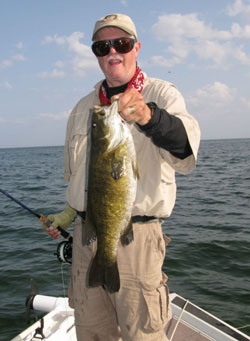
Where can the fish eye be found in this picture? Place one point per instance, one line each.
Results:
(94, 125)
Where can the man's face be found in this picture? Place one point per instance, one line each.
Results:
(118, 68)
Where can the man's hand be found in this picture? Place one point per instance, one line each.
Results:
(132, 107)
(52, 232)
(62, 219)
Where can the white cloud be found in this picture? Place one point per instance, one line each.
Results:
(11, 121)
(19, 45)
(245, 101)
(9, 62)
(239, 32)
(5, 63)
(56, 117)
(124, 3)
(237, 8)
(75, 45)
(213, 50)
(55, 73)
(82, 58)
(173, 27)
(160, 61)
(221, 54)
(19, 57)
(6, 85)
(216, 95)
(60, 64)
(187, 34)
(241, 56)
(54, 39)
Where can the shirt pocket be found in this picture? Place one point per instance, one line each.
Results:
(78, 148)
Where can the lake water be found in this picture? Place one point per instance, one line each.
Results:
(207, 261)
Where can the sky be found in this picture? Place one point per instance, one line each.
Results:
(47, 66)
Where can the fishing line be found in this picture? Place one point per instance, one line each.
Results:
(63, 283)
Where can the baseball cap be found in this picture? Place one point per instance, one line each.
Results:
(121, 21)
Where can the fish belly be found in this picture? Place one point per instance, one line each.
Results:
(111, 193)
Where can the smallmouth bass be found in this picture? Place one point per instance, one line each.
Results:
(111, 193)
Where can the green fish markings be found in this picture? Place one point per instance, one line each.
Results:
(112, 183)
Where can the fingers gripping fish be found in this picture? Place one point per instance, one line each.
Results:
(111, 193)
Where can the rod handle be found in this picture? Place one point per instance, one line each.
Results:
(63, 232)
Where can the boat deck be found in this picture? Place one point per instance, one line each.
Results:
(189, 323)
(192, 323)
(184, 332)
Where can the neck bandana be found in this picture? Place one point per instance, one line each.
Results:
(136, 82)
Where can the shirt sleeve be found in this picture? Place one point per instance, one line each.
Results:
(167, 132)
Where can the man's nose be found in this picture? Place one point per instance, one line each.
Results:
(112, 50)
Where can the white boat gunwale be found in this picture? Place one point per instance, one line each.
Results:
(58, 323)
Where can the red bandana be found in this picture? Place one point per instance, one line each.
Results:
(136, 82)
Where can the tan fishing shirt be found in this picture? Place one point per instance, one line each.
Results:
(156, 189)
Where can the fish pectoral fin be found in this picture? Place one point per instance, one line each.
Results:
(88, 230)
(117, 166)
(128, 235)
(135, 170)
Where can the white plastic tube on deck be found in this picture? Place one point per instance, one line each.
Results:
(49, 303)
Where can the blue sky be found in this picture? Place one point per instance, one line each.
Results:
(46, 63)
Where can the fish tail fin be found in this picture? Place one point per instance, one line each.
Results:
(96, 273)
(112, 278)
(107, 277)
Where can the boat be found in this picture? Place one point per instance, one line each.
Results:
(188, 323)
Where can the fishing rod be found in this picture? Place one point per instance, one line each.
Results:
(64, 249)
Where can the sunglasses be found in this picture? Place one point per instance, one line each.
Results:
(122, 45)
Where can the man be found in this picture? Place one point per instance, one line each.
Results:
(166, 139)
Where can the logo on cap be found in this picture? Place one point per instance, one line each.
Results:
(110, 17)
